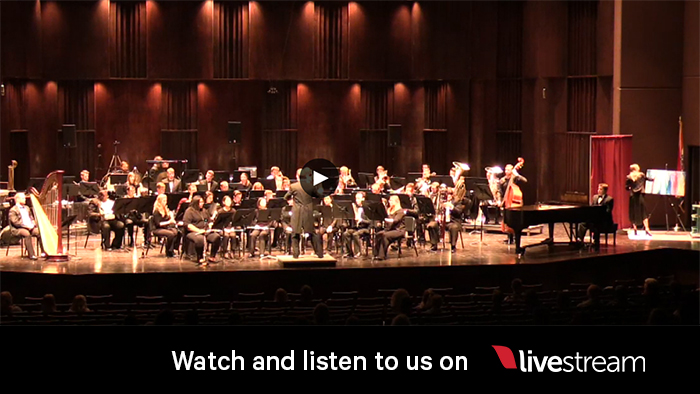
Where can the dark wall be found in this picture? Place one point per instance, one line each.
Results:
(489, 81)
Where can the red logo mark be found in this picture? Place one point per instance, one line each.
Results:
(506, 357)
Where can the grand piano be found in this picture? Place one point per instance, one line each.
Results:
(520, 218)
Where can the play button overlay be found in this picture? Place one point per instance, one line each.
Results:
(319, 178)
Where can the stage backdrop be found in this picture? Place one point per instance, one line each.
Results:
(611, 156)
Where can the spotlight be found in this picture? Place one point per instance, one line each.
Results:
(272, 90)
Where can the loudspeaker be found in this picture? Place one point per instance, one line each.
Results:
(394, 135)
(234, 132)
(69, 137)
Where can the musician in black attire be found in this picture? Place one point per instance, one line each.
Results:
(602, 198)
(393, 230)
(102, 220)
(163, 223)
(359, 228)
(331, 228)
(209, 204)
(510, 172)
(22, 224)
(635, 182)
(229, 241)
(196, 222)
(262, 229)
(458, 206)
(134, 218)
(423, 221)
(303, 215)
(209, 181)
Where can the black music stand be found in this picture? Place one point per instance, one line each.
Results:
(180, 214)
(255, 194)
(280, 193)
(237, 175)
(249, 204)
(68, 222)
(190, 176)
(242, 219)
(373, 197)
(482, 192)
(71, 190)
(343, 210)
(268, 184)
(405, 200)
(89, 189)
(276, 203)
(443, 179)
(365, 178)
(425, 205)
(117, 179)
(174, 199)
(343, 197)
(222, 220)
(396, 182)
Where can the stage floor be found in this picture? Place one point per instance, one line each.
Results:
(491, 251)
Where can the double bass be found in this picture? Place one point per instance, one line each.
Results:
(513, 196)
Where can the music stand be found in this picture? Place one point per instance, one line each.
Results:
(276, 203)
(443, 179)
(117, 179)
(405, 201)
(181, 212)
(221, 176)
(89, 189)
(68, 222)
(255, 194)
(373, 197)
(375, 211)
(71, 190)
(366, 178)
(120, 190)
(190, 176)
(237, 175)
(222, 220)
(280, 193)
(396, 182)
(425, 205)
(482, 192)
(268, 184)
(242, 219)
(249, 204)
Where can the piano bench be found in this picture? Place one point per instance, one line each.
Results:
(612, 229)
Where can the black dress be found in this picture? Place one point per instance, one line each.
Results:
(637, 209)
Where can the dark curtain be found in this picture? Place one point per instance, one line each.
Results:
(611, 156)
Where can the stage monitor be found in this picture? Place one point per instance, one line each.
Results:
(665, 183)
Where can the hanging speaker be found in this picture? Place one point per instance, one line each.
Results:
(394, 135)
(69, 137)
(234, 132)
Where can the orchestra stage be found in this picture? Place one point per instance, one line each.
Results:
(481, 262)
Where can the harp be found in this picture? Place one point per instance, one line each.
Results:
(47, 207)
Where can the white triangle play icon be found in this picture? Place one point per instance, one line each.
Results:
(318, 178)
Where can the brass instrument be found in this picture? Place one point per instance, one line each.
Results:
(11, 175)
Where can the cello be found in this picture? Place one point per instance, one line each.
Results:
(513, 196)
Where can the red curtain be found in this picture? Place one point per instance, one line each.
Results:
(611, 156)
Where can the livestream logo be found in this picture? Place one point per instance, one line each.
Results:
(533, 363)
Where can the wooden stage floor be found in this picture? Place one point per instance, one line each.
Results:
(491, 252)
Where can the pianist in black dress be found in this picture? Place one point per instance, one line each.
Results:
(196, 223)
(635, 182)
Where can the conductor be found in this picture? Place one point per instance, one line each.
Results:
(303, 213)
